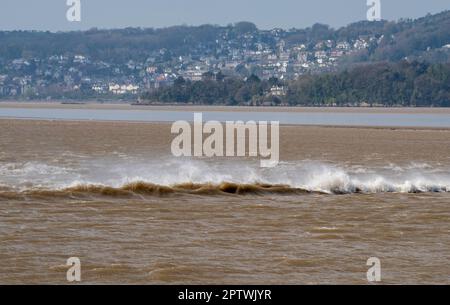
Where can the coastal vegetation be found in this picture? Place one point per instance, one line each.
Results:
(381, 84)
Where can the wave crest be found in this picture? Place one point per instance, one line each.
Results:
(149, 189)
(225, 188)
(168, 177)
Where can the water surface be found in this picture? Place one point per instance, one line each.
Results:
(296, 118)
(111, 194)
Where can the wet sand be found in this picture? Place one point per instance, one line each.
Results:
(220, 237)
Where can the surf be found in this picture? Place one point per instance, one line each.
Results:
(140, 177)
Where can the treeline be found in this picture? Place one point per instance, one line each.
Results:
(382, 84)
(116, 45)
(216, 90)
(397, 39)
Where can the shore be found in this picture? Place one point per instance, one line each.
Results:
(199, 108)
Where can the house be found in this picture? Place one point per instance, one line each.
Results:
(277, 91)
(343, 45)
(123, 89)
(79, 59)
(100, 88)
(320, 55)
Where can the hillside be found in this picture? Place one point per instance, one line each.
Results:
(125, 63)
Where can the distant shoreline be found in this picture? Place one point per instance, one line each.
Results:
(217, 108)
(94, 123)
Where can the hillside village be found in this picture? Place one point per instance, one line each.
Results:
(127, 63)
(242, 56)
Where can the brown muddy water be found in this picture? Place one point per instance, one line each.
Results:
(111, 194)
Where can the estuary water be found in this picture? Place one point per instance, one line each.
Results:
(436, 120)
(112, 194)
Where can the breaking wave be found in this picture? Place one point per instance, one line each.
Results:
(132, 177)
(148, 189)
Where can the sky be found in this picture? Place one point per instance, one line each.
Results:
(266, 14)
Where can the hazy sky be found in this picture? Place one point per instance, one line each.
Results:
(51, 14)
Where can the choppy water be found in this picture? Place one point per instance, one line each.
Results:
(127, 174)
(111, 194)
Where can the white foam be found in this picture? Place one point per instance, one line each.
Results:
(308, 175)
